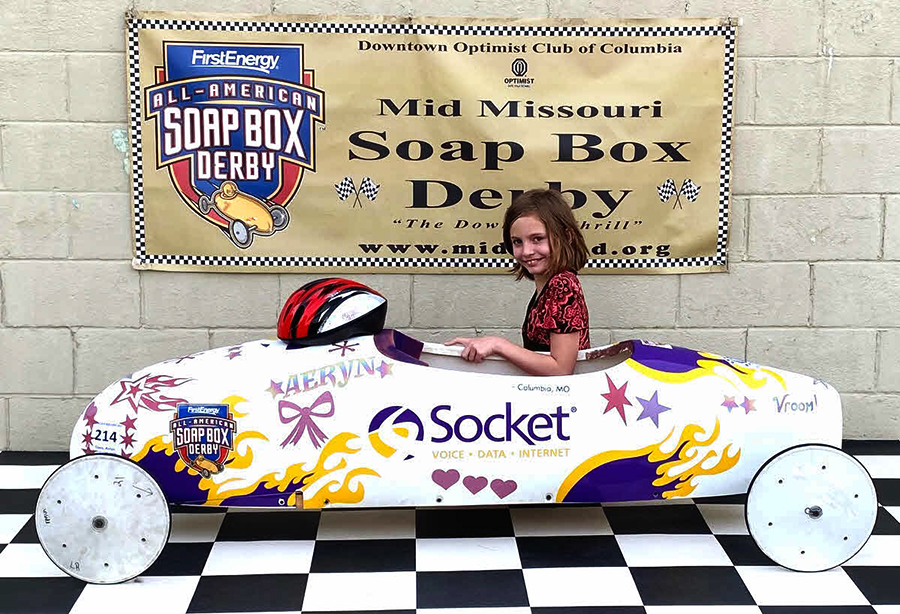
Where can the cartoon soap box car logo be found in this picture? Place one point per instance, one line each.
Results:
(203, 436)
(235, 128)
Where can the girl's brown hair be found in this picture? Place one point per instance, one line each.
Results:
(567, 248)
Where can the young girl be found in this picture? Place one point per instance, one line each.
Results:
(543, 237)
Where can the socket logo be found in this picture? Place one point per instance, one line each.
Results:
(203, 436)
(402, 422)
(235, 128)
(505, 426)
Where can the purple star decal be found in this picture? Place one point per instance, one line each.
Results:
(729, 403)
(274, 388)
(652, 408)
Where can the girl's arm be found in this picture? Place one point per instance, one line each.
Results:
(561, 361)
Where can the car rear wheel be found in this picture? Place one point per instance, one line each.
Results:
(240, 234)
(811, 507)
(280, 217)
(102, 519)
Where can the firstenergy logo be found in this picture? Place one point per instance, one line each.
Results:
(232, 58)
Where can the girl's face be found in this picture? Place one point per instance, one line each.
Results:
(531, 244)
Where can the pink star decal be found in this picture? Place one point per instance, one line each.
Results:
(729, 403)
(86, 438)
(344, 346)
(127, 441)
(128, 422)
(234, 354)
(384, 369)
(90, 415)
(748, 405)
(87, 449)
(274, 388)
(126, 454)
(615, 398)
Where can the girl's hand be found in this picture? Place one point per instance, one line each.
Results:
(477, 348)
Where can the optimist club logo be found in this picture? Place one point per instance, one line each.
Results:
(235, 127)
(203, 436)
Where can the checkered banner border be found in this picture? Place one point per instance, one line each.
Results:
(142, 258)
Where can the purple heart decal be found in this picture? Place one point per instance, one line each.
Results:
(474, 485)
(445, 479)
(502, 489)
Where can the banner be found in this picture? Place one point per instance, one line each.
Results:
(395, 145)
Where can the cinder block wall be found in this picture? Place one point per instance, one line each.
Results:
(813, 283)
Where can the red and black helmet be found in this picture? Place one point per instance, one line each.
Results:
(331, 310)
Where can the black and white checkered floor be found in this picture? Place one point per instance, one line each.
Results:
(660, 559)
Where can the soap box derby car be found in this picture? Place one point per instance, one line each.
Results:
(342, 413)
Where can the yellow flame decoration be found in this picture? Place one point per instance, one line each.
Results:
(685, 467)
(708, 367)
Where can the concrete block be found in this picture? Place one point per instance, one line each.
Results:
(100, 226)
(97, 87)
(71, 293)
(395, 288)
(775, 160)
(843, 358)
(861, 159)
(4, 425)
(814, 91)
(225, 337)
(195, 300)
(349, 7)
(32, 86)
(771, 294)
(36, 361)
(889, 361)
(43, 423)
(781, 27)
(862, 27)
(723, 341)
(895, 100)
(815, 228)
(745, 102)
(871, 416)
(737, 231)
(62, 157)
(628, 301)
(892, 228)
(61, 26)
(460, 301)
(33, 225)
(248, 7)
(609, 8)
(858, 294)
(103, 355)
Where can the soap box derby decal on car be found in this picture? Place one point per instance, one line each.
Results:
(381, 419)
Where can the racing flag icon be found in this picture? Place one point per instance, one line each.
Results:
(690, 190)
(667, 190)
(369, 188)
(345, 188)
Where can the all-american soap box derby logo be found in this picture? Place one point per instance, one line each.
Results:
(203, 436)
(235, 127)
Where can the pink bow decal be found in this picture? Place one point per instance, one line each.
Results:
(304, 417)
